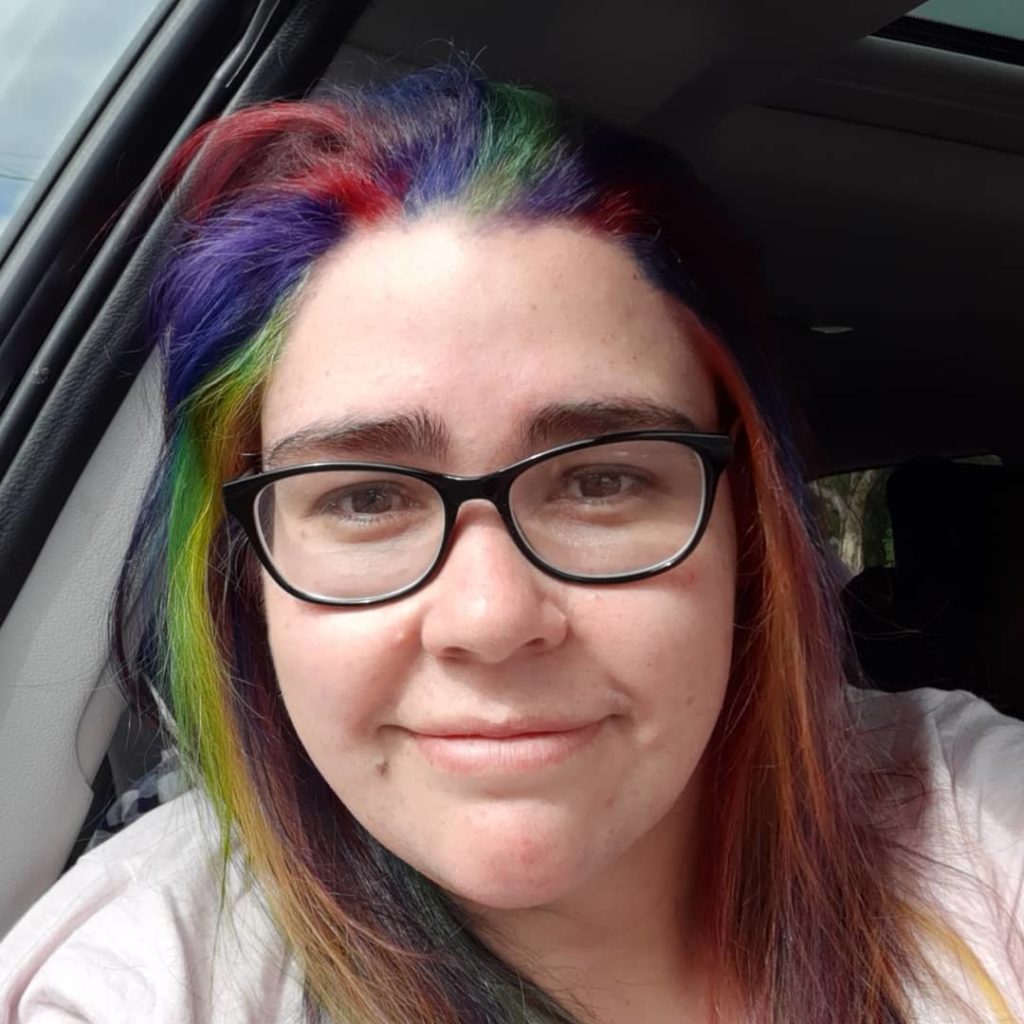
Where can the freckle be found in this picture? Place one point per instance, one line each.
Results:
(382, 769)
(689, 700)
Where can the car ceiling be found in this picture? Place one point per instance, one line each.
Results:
(880, 181)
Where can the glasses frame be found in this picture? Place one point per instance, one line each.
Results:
(713, 451)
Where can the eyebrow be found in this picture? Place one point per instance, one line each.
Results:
(415, 433)
(571, 421)
(419, 433)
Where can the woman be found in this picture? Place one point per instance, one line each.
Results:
(479, 591)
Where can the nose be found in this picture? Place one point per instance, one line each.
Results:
(487, 602)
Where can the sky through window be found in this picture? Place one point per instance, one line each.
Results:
(999, 17)
(54, 55)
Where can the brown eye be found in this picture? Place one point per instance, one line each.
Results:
(600, 484)
(603, 483)
(364, 500)
(372, 500)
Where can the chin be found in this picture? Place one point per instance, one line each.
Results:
(505, 893)
(511, 873)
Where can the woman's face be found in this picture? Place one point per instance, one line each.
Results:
(481, 334)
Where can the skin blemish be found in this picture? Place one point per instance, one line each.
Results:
(382, 768)
(529, 853)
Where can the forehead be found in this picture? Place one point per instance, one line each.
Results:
(479, 328)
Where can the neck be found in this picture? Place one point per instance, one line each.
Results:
(623, 946)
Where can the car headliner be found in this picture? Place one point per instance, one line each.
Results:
(879, 179)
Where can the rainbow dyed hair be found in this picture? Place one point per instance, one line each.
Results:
(809, 907)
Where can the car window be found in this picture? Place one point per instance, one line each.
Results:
(854, 512)
(54, 57)
(999, 17)
(855, 518)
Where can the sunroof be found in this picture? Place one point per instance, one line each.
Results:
(997, 17)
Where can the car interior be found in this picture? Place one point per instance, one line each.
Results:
(871, 152)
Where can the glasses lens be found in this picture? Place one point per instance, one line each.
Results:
(350, 534)
(612, 509)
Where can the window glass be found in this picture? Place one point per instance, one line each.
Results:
(855, 517)
(54, 56)
(1000, 17)
(854, 513)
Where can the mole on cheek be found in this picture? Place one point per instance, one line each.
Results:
(382, 768)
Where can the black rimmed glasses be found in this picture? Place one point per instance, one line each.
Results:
(610, 509)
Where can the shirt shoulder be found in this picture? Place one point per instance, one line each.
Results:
(971, 829)
(138, 930)
(973, 755)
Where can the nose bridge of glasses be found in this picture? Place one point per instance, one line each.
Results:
(491, 489)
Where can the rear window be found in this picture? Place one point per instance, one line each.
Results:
(853, 510)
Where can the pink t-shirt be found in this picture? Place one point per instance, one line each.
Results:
(131, 933)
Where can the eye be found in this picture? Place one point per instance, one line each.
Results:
(364, 500)
(598, 483)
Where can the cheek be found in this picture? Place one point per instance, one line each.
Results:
(671, 659)
(669, 639)
(667, 642)
(339, 671)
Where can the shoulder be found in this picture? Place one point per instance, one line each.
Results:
(965, 743)
(972, 754)
(970, 829)
(137, 929)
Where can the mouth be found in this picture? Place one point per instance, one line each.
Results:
(503, 749)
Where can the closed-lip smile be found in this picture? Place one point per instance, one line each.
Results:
(482, 747)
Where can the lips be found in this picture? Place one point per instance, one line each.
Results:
(501, 748)
(476, 727)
